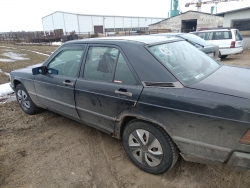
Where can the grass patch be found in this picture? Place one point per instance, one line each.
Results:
(4, 78)
(34, 58)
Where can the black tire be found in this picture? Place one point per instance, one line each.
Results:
(155, 157)
(25, 101)
(222, 56)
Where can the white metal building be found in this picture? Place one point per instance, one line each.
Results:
(239, 19)
(81, 23)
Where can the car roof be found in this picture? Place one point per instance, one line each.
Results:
(212, 30)
(146, 39)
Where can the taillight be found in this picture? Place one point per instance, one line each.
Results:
(245, 139)
(232, 44)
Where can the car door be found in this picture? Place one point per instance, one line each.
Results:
(222, 39)
(108, 86)
(55, 89)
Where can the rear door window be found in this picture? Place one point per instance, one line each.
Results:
(123, 74)
(222, 35)
(206, 35)
(100, 63)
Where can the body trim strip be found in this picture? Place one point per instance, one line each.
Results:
(56, 101)
(95, 113)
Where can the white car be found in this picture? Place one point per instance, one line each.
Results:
(229, 40)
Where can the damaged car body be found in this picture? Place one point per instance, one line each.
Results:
(162, 96)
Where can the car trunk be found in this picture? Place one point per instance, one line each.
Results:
(227, 80)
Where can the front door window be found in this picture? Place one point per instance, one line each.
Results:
(66, 63)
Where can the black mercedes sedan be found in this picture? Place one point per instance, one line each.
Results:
(162, 96)
(205, 46)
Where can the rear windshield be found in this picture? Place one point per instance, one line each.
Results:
(184, 61)
(238, 35)
(194, 38)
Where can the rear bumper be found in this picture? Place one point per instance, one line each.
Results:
(231, 51)
(239, 161)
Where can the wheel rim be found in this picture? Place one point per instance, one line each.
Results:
(145, 147)
(23, 100)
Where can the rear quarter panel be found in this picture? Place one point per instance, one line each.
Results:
(202, 124)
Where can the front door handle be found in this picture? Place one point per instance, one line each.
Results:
(68, 83)
(123, 93)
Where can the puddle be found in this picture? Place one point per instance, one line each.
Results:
(15, 56)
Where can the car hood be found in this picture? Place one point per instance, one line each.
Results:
(227, 80)
(34, 66)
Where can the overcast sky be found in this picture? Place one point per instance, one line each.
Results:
(18, 15)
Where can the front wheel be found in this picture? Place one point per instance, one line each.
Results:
(25, 101)
(149, 147)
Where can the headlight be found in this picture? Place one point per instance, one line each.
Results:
(210, 55)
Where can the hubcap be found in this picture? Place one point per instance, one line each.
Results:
(23, 100)
(145, 147)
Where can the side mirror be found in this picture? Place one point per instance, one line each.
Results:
(39, 70)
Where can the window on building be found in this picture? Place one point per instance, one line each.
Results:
(118, 29)
(242, 25)
(109, 30)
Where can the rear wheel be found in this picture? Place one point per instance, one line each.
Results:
(25, 101)
(222, 56)
(149, 147)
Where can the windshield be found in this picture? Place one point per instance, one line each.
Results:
(196, 39)
(186, 62)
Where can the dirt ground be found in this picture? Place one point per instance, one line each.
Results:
(49, 150)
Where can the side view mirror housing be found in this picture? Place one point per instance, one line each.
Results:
(39, 70)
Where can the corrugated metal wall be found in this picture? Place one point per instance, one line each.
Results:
(246, 43)
(243, 14)
(85, 23)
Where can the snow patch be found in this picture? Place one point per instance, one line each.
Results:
(15, 56)
(57, 43)
(5, 90)
(36, 52)
(7, 60)
(8, 74)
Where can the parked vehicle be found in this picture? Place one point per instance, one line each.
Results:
(161, 96)
(229, 40)
(208, 48)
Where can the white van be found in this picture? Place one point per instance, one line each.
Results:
(229, 40)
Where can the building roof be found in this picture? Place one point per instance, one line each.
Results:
(100, 15)
(236, 10)
(181, 14)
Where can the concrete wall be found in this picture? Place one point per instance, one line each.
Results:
(246, 43)
(203, 20)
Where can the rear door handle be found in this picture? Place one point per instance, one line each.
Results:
(68, 83)
(123, 93)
